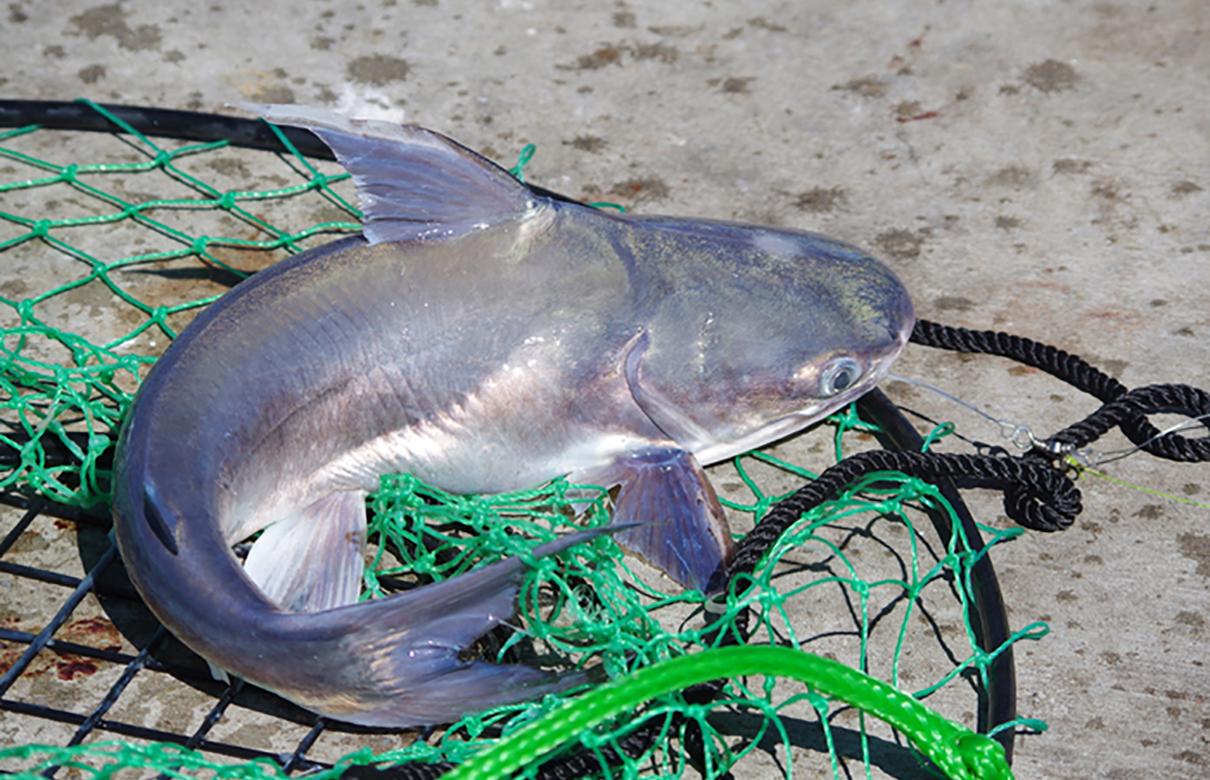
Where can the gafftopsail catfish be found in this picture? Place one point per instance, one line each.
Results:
(484, 339)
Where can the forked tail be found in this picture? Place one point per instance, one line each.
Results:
(395, 662)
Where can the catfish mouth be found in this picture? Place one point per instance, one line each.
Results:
(779, 429)
(792, 423)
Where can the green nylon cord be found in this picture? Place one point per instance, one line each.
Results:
(957, 751)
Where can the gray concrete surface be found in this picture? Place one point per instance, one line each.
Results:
(1038, 167)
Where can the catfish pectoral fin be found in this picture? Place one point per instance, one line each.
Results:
(676, 520)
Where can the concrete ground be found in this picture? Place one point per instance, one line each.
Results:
(1036, 167)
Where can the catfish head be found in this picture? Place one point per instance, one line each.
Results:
(777, 330)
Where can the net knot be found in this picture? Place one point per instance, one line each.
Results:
(227, 200)
(41, 228)
(68, 174)
(200, 244)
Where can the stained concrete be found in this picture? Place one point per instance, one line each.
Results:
(1037, 167)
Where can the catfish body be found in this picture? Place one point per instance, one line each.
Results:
(483, 339)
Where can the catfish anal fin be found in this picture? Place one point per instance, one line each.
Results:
(313, 560)
(680, 526)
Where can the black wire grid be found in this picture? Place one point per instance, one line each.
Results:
(90, 717)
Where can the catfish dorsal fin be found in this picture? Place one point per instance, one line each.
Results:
(413, 183)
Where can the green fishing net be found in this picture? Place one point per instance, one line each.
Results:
(105, 261)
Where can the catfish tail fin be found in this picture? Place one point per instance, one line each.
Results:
(395, 662)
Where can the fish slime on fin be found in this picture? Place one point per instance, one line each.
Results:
(484, 339)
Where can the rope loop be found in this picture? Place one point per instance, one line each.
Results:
(1129, 412)
(1045, 499)
(1037, 495)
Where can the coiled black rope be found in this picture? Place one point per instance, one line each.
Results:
(1129, 411)
(1126, 409)
(1122, 408)
(1053, 499)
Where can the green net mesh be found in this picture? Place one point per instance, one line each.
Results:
(104, 262)
(119, 218)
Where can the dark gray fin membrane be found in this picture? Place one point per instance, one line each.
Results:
(313, 560)
(678, 523)
(157, 521)
(413, 183)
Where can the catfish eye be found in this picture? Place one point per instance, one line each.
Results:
(838, 376)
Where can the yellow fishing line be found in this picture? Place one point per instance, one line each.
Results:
(1082, 469)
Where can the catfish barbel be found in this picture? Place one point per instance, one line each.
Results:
(484, 339)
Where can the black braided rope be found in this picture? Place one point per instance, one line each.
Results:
(1122, 408)
(1125, 409)
(1071, 369)
(1129, 412)
(1052, 499)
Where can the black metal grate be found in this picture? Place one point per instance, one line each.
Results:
(106, 579)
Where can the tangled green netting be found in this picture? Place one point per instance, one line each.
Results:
(68, 388)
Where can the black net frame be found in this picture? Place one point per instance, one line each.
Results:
(997, 703)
